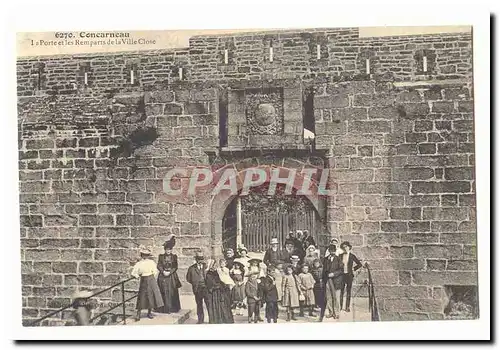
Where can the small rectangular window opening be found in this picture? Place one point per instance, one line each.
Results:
(271, 52)
(424, 65)
(318, 51)
(132, 76)
(226, 56)
(181, 73)
(367, 66)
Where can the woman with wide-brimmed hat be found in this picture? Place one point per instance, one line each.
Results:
(243, 258)
(149, 296)
(168, 280)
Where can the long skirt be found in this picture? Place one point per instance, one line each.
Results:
(219, 306)
(149, 294)
(170, 293)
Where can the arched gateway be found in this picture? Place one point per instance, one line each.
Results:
(230, 226)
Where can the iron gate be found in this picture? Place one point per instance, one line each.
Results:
(259, 228)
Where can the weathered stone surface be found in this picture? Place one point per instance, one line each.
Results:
(434, 278)
(92, 184)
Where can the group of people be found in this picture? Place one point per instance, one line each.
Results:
(296, 277)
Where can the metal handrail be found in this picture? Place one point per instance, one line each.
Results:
(121, 284)
(372, 301)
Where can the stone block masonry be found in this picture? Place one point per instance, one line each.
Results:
(399, 143)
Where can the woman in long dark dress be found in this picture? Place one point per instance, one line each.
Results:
(219, 297)
(168, 280)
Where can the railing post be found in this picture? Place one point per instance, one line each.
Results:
(123, 303)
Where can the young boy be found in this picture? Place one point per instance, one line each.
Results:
(252, 292)
(306, 285)
(319, 290)
(270, 295)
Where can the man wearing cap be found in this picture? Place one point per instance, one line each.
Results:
(295, 264)
(351, 265)
(274, 253)
(196, 275)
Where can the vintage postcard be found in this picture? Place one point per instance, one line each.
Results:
(313, 175)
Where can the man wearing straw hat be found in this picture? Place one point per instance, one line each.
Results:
(274, 253)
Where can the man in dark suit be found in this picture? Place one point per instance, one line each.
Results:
(351, 264)
(195, 275)
(332, 277)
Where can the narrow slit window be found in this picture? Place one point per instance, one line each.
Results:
(424, 64)
(39, 78)
(367, 66)
(86, 78)
(132, 76)
(318, 51)
(226, 56)
(181, 72)
(271, 52)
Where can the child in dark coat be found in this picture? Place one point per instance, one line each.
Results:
(270, 295)
(319, 291)
(253, 294)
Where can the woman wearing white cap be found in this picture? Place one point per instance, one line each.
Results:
(219, 295)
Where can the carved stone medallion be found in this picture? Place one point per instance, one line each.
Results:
(264, 111)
